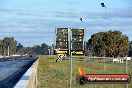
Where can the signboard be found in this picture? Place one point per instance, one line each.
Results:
(78, 52)
(61, 42)
(77, 41)
(104, 78)
(61, 51)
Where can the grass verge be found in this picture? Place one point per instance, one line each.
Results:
(56, 75)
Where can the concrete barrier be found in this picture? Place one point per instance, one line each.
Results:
(29, 79)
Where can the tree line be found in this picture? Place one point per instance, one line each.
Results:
(42, 49)
(9, 46)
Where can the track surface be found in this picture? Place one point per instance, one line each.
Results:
(11, 70)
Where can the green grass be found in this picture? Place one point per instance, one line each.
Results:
(56, 75)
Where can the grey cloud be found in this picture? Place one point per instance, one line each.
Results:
(8, 10)
(24, 12)
(41, 25)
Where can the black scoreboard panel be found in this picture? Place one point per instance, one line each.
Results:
(77, 42)
(61, 38)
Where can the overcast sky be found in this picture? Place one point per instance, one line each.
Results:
(33, 22)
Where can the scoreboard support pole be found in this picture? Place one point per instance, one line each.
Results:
(72, 51)
(72, 38)
(71, 70)
(70, 57)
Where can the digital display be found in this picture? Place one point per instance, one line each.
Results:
(77, 39)
(61, 38)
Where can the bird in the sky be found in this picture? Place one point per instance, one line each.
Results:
(81, 19)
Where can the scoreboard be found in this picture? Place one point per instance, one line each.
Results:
(69, 40)
(61, 43)
(77, 41)
(61, 38)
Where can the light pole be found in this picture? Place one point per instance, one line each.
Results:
(103, 5)
(49, 51)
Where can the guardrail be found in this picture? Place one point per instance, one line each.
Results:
(29, 79)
